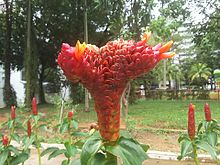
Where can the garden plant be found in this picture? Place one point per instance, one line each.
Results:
(205, 138)
(105, 72)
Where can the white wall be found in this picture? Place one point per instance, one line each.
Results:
(16, 83)
(1, 87)
(18, 86)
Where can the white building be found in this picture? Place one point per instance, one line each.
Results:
(17, 84)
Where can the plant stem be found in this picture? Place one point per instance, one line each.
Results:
(70, 139)
(195, 153)
(69, 133)
(8, 161)
(12, 130)
(38, 145)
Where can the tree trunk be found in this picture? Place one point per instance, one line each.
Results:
(42, 99)
(86, 40)
(31, 63)
(8, 92)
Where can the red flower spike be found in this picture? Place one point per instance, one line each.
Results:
(13, 108)
(5, 140)
(29, 128)
(106, 71)
(70, 115)
(191, 121)
(207, 113)
(34, 106)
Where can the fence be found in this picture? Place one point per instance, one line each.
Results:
(171, 94)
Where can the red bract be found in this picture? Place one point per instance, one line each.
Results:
(34, 106)
(105, 72)
(13, 108)
(70, 115)
(5, 140)
(191, 121)
(29, 128)
(207, 112)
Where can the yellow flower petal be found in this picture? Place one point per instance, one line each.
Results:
(166, 47)
(146, 36)
(79, 49)
(167, 55)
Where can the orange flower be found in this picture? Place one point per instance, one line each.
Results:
(106, 71)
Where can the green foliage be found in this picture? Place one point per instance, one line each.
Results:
(206, 34)
(128, 150)
(9, 96)
(77, 93)
(90, 148)
(206, 139)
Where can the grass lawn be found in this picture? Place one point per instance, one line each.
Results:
(170, 114)
(144, 115)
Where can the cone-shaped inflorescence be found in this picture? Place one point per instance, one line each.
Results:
(13, 115)
(34, 106)
(191, 121)
(105, 72)
(207, 112)
(5, 140)
(29, 130)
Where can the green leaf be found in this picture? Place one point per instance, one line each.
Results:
(145, 147)
(29, 141)
(43, 127)
(56, 153)
(20, 158)
(36, 118)
(212, 138)
(78, 134)
(15, 137)
(10, 124)
(89, 149)
(207, 147)
(186, 148)
(125, 134)
(76, 162)
(200, 126)
(130, 152)
(63, 127)
(80, 143)
(13, 149)
(71, 149)
(64, 162)
(48, 150)
(3, 157)
(182, 137)
(103, 160)
(74, 124)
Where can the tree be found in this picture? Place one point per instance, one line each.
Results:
(31, 61)
(9, 93)
(206, 33)
(201, 72)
